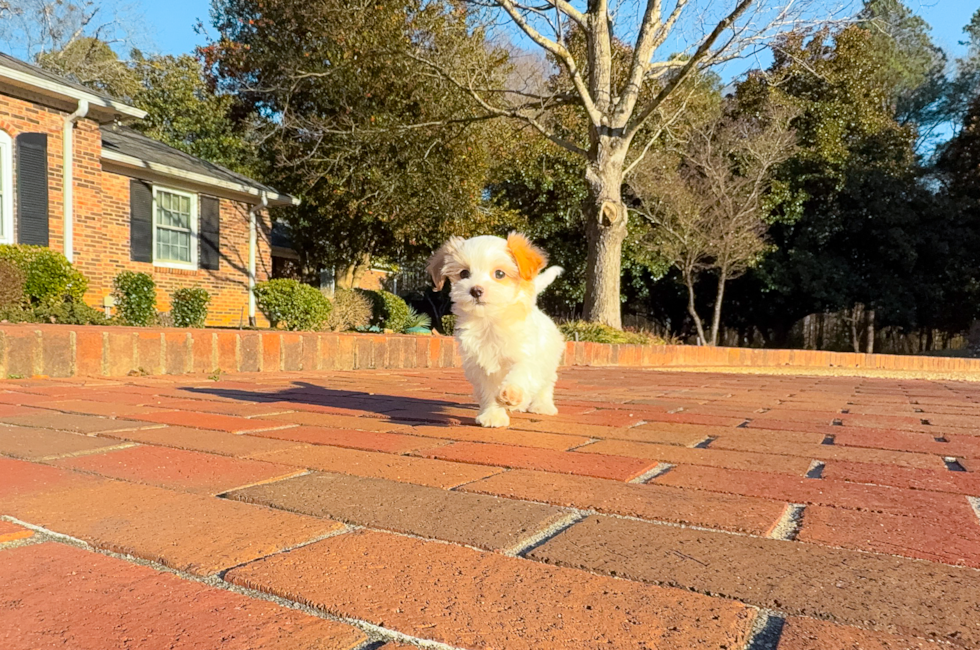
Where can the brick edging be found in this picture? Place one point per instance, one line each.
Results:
(69, 351)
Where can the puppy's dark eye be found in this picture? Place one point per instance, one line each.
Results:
(500, 275)
(464, 274)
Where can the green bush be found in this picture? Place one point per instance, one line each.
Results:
(297, 306)
(69, 313)
(351, 310)
(189, 307)
(581, 330)
(388, 311)
(136, 298)
(448, 324)
(16, 314)
(11, 285)
(49, 278)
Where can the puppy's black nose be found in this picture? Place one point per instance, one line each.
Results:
(476, 292)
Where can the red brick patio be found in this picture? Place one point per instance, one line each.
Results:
(364, 510)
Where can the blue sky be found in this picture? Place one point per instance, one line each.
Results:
(173, 22)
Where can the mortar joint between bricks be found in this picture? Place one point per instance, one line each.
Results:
(657, 470)
(766, 632)
(552, 530)
(787, 527)
(975, 504)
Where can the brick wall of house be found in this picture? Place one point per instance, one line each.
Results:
(101, 221)
(20, 116)
(105, 252)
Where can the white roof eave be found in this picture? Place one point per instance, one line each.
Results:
(62, 91)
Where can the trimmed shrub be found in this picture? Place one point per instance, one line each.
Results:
(69, 313)
(581, 330)
(388, 311)
(49, 278)
(351, 310)
(448, 324)
(136, 298)
(295, 305)
(189, 307)
(11, 285)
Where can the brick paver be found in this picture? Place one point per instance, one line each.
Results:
(656, 510)
(188, 471)
(473, 519)
(474, 599)
(56, 596)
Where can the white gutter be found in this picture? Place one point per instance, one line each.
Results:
(23, 79)
(252, 244)
(194, 177)
(68, 176)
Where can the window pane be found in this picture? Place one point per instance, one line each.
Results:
(173, 221)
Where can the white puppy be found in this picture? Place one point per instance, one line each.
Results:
(510, 349)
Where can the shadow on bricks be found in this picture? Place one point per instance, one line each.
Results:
(318, 399)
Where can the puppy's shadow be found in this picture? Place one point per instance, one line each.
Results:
(397, 408)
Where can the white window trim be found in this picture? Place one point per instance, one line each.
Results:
(7, 183)
(169, 264)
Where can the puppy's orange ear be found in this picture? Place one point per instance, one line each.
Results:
(530, 259)
(436, 267)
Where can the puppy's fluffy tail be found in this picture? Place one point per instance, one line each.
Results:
(546, 277)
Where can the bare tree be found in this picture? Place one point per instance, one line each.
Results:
(35, 28)
(708, 198)
(667, 42)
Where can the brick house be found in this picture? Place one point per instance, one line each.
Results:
(132, 203)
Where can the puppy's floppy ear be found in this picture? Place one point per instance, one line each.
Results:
(436, 267)
(530, 259)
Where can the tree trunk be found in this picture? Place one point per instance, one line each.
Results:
(719, 296)
(348, 277)
(870, 331)
(606, 219)
(855, 339)
(689, 282)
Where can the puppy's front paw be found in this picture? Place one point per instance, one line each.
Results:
(510, 396)
(543, 409)
(493, 417)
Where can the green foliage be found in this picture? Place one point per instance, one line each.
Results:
(69, 313)
(388, 311)
(189, 307)
(295, 305)
(11, 285)
(136, 298)
(49, 277)
(185, 112)
(341, 82)
(418, 319)
(598, 333)
(351, 310)
(448, 324)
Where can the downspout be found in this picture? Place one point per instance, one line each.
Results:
(252, 243)
(68, 175)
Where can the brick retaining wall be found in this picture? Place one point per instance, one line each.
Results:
(69, 351)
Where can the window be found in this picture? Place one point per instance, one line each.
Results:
(174, 228)
(6, 190)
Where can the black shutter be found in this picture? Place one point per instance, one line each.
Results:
(32, 188)
(140, 221)
(210, 233)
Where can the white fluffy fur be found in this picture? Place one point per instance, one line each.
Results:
(510, 348)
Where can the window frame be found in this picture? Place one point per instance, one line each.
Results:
(194, 229)
(6, 188)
